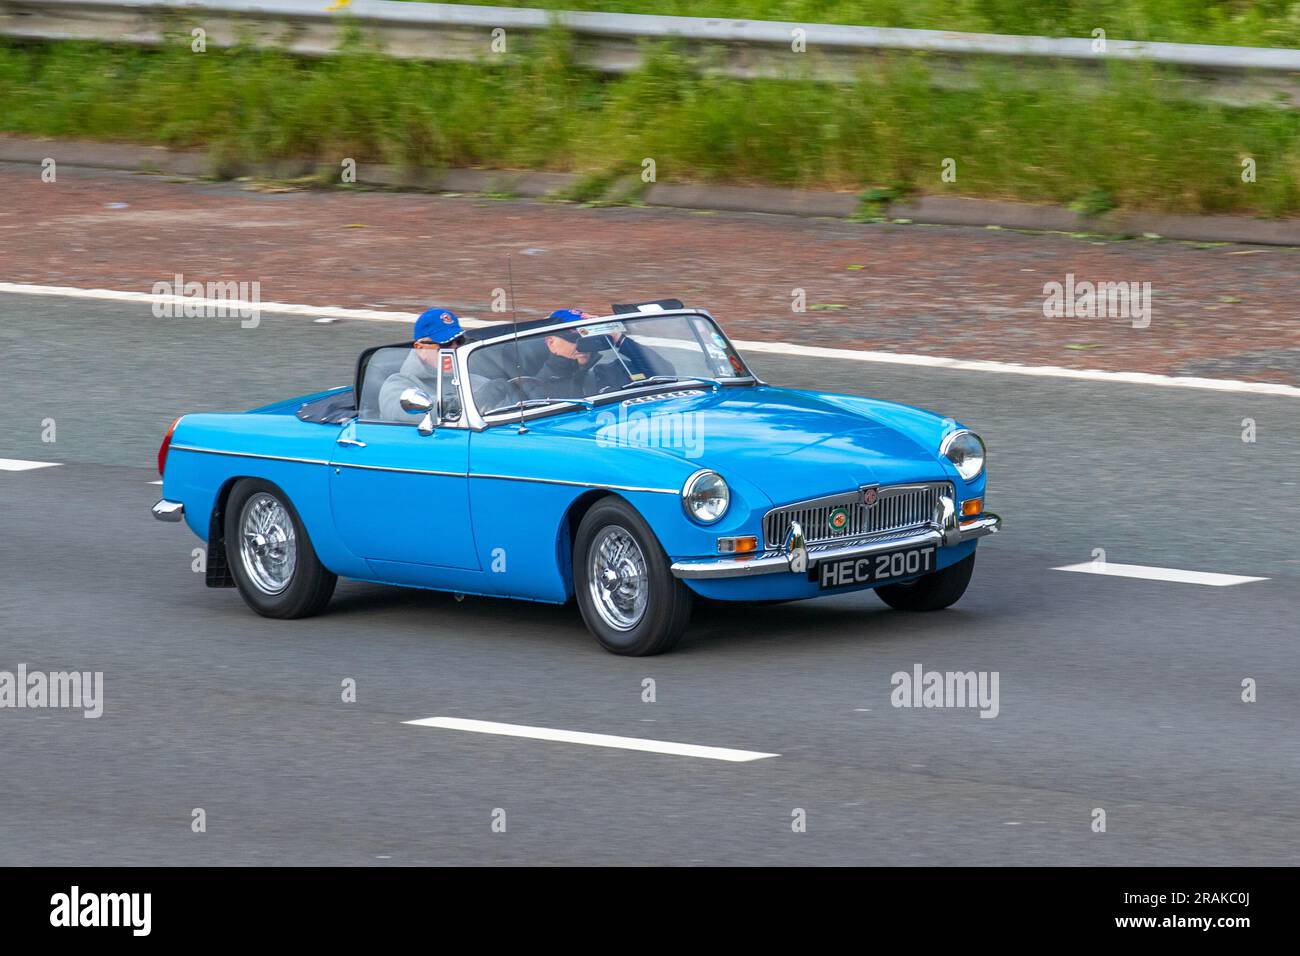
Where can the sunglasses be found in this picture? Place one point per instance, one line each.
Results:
(428, 343)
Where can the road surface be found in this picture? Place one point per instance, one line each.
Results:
(1115, 693)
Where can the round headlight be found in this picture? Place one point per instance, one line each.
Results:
(966, 451)
(706, 496)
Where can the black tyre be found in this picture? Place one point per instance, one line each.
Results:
(272, 559)
(933, 592)
(629, 599)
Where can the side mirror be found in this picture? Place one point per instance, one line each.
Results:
(416, 401)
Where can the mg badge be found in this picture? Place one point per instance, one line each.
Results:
(870, 495)
(839, 520)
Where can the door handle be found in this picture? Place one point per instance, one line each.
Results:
(352, 441)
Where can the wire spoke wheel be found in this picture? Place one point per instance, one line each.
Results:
(618, 581)
(268, 544)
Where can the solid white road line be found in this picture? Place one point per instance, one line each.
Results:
(283, 308)
(1159, 574)
(1039, 371)
(591, 740)
(15, 464)
(776, 348)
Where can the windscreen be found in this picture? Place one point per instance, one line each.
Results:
(599, 358)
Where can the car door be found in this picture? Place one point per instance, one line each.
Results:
(402, 497)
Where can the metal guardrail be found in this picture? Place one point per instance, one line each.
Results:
(613, 42)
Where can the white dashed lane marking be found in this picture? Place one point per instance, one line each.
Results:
(591, 740)
(1159, 574)
(17, 464)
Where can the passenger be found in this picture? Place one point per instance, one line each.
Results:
(435, 329)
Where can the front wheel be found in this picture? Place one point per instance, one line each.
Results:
(270, 555)
(933, 592)
(626, 592)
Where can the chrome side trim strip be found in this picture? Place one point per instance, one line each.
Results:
(403, 471)
(248, 454)
(579, 484)
(421, 471)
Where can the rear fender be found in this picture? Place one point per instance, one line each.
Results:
(209, 452)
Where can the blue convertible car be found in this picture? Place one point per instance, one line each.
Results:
(630, 461)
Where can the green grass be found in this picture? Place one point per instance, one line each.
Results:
(1125, 145)
(1238, 22)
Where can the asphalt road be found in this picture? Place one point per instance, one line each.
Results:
(1114, 693)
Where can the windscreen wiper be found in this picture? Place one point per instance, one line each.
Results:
(664, 379)
(539, 403)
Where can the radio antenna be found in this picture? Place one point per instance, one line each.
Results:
(519, 364)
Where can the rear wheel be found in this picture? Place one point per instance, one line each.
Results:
(272, 559)
(933, 592)
(628, 597)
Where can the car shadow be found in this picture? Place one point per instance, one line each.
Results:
(759, 626)
(715, 626)
(846, 621)
(491, 615)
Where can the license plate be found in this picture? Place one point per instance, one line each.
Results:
(870, 568)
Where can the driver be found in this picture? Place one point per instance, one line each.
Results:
(565, 369)
(633, 361)
(435, 329)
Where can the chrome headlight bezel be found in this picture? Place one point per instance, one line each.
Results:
(692, 499)
(957, 447)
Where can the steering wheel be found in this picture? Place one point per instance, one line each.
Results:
(525, 386)
(521, 383)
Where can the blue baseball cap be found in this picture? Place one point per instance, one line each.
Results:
(569, 315)
(441, 325)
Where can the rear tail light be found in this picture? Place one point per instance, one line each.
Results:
(162, 449)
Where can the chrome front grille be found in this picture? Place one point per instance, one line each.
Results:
(897, 507)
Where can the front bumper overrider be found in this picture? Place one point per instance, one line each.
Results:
(795, 556)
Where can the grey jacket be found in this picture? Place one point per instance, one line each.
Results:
(413, 374)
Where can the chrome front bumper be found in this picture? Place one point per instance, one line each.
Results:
(797, 558)
(166, 510)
